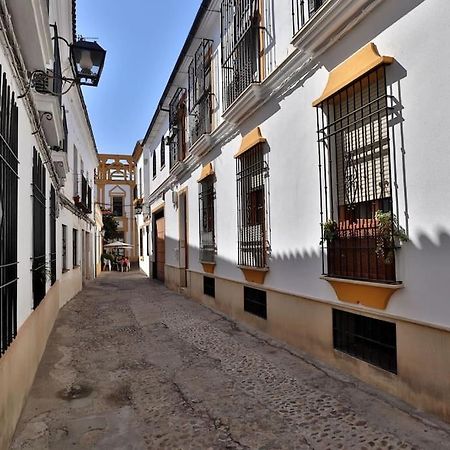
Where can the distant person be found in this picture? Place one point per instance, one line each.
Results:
(106, 262)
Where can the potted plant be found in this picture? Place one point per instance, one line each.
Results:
(389, 235)
(329, 230)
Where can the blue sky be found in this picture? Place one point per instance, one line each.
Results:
(143, 39)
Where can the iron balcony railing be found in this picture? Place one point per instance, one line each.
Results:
(199, 92)
(85, 201)
(302, 11)
(177, 127)
(241, 46)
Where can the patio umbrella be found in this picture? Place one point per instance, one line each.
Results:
(118, 244)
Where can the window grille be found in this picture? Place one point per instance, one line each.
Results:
(200, 92)
(163, 152)
(255, 302)
(40, 268)
(209, 286)
(64, 249)
(371, 340)
(240, 22)
(57, 71)
(118, 206)
(177, 127)
(355, 177)
(8, 214)
(74, 248)
(251, 173)
(53, 214)
(141, 242)
(207, 196)
(154, 164)
(302, 11)
(66, 131)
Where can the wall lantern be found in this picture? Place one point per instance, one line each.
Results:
(138, 207)
(88, 59)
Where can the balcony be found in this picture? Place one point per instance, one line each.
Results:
(241, 47)
(316, 23)
(303, 11)
(47, 95)
(84, 203)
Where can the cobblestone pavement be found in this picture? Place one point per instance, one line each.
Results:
(131, 365)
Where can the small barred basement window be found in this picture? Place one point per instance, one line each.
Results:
(209, 286)
(255, 302)
(371, 340)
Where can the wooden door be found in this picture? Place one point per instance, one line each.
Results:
(160, 248)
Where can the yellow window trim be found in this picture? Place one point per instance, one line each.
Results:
(207, 171)
(250, 140)
(360, 63)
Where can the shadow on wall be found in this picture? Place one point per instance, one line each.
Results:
(422, 265)
(379, 20)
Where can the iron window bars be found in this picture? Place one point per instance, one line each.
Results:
(40, 268)
(163, 152)
(302, 11)
(9, 177)
(199, 92)
(53, 214)
(255, 302)
(74, 248)
(64, 249)
(209, 286)
(117, 206)
(251, 171)
(207, 196)
(177, 127)
(355, 181)
(241, 46)
(372, 340)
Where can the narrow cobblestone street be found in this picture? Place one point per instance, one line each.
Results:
(131, 365)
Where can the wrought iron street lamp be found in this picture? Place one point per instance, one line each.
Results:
(88, 59)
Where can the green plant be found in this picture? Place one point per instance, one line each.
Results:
(388, 232)
(43, 272)
(330, 231)
(110, 225)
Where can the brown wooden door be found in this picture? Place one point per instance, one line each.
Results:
(160, 248)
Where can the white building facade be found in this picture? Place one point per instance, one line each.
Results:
(285, 183)
(49, 228)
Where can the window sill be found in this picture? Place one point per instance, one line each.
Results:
(162, 167)
(201, 145)
(244, 105)
(208, 266)
(367, 293)
(254, 274)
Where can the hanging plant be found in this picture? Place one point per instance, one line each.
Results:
(389, 235)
